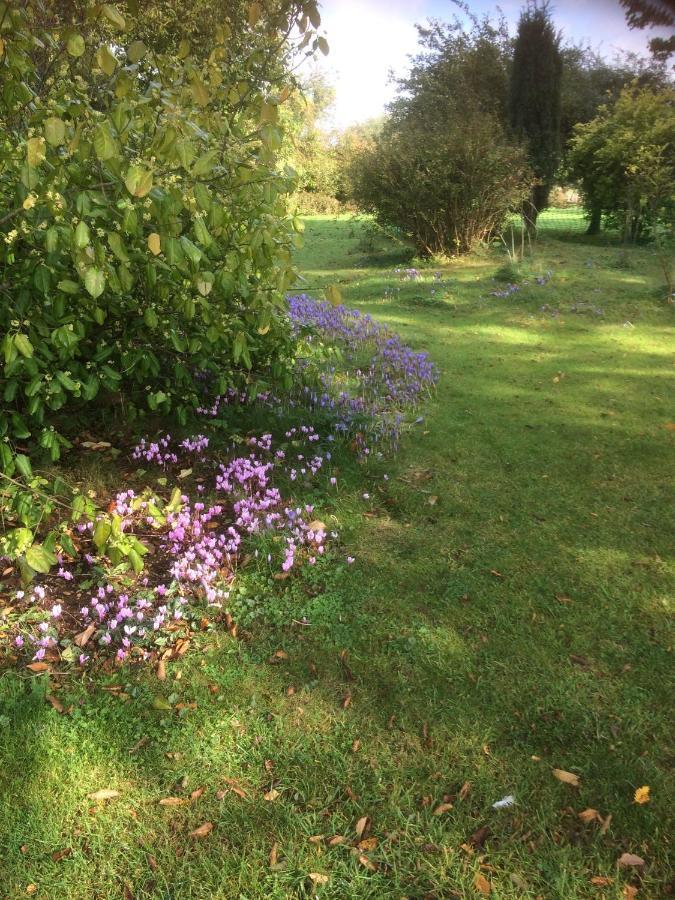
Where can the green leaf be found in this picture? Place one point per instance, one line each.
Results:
(68, 287)
(104, 143)
(55, 131)
(102, 532)
(75, 44)
(81, 235)
(114, 16)
(39, 559)
(23, 345)
(106, 60)
(136, 51)
(94, 281)
(23, 465)
(138, 181)
(322, 44)
(116, 244)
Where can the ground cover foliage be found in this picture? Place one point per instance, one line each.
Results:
(501, 632)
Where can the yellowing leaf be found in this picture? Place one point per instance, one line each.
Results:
(566, 777)
(55, 131)
(642, 795)
(254, 13)
(106, 60)
(154, 243)
(138, 181)
(114, 16)
(481, 884)
(333, 295)
(35, 150)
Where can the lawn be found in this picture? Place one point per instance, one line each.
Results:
(507, 616)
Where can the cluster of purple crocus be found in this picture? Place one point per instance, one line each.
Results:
(380, 379)
(254, 501)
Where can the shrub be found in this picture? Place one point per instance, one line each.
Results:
(448, 188)
(625, 161)
(144, 241)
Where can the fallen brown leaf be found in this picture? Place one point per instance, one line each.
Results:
(356, 746)
(31, 889)
(605, 824)
(465, 790)
(278, 656)
(590, 815)
(602, 880)
(82, 639)
(479, 837)
(481, 884)
(337, 839)
(196, 794)
(152, 862)
(566, 777)
(629, 891)
(58, 706)
(202, 831)
(442, 808)
(161, 670)
(368, 844)
(58, 855)
(630, 859)
(272, 795)
(103, 794)
(317, 878)
(172, 801)
(368, 863)
(274, 854)
(362, 827)
(37, 667)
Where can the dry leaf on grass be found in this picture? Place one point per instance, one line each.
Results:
(58, 855)
(602, 880)
(152, 862)
(465, 790)
(442, 808)
(196, 794)
(368, 863)
(161, 670)
(172, 801)
(274, 854)
(58, 706)
(37, 667)
(368, 844)
(317, 878)
(566, 777)
(630, 859)
(272, 795)
(336, 840)
(590, 815)
(481, 884)
(202, 831)
(362, 827)
(629, 891)
(642, 795)
(103, 794)
(82, 639)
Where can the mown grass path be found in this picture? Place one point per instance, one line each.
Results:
(507, 615)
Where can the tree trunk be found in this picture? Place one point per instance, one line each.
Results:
(596, 220)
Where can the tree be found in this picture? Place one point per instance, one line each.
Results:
(443, 169)
(653, 14)
(535, 101)
(625, 161)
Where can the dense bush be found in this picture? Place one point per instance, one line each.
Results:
(625, 161)
(144, 242)
(443, 168)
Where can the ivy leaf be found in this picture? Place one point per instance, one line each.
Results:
(94, 281)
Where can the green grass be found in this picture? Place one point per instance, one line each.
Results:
(516, 624)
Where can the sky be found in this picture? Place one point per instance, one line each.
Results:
(368, 38)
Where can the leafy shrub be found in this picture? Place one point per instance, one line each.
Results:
(625, 161)
(144, 241)
(449, 187)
